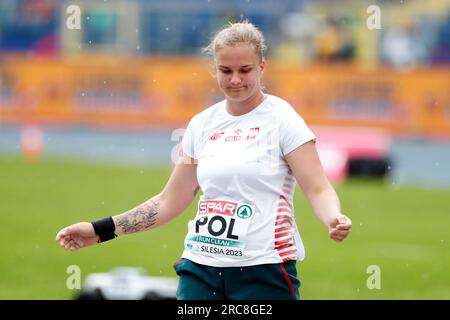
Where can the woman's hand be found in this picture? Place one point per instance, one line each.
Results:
(77, 236)
(339, 228)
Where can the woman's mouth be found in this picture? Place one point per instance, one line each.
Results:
(236, 89)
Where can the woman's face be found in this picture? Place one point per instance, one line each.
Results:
(239, 72)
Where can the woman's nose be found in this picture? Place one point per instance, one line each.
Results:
(235, 79)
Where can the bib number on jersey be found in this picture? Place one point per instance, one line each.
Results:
(220, 228)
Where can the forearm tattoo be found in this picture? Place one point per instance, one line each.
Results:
(138, 219)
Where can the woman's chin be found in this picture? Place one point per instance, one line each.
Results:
(237, 95)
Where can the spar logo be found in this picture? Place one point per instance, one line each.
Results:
(244, 211)
(227, 208)
(217, 217)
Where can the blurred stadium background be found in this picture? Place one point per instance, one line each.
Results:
(90, 117)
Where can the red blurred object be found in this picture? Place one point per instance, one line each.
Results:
(338, 146)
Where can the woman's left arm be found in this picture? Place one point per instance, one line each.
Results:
(307, 169)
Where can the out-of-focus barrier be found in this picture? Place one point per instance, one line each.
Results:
(166, 92)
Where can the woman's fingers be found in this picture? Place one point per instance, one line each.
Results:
(339, 235)
(64, 233)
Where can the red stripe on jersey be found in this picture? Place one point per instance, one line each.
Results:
(280, 229)
(284, 248)
(283, 215)
(282, 254)
(284, 244)
(282, 221)
(281, 235)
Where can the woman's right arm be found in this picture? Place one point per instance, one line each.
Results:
(176, 196)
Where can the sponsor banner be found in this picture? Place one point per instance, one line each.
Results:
(160, 92)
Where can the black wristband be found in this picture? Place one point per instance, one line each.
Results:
(104, 228)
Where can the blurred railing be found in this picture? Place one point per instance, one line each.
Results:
(152, 93)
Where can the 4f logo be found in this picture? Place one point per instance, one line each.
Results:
(216, 136)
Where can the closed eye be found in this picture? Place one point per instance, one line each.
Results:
(227, 71)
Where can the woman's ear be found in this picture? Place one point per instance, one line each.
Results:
(262, 65)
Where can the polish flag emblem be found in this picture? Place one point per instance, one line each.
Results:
(252, 133)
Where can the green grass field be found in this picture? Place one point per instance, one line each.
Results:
(404, 231)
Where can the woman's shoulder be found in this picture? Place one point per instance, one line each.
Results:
(208, 111)
(280, 105)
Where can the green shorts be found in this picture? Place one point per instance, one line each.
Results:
(276, 281)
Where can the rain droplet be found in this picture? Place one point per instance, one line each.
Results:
(141, 172)
(389, 167)
(138, 47)
(437, 164)
(103, 202)
(137, 30)
(87, 18)
(167, 28)
(214, 293)
(82, 94)
(220, 273)
(164, 246)
(360, 224)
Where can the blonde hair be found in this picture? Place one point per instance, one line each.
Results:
(237, 33)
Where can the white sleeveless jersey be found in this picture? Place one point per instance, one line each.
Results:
(246, 214)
